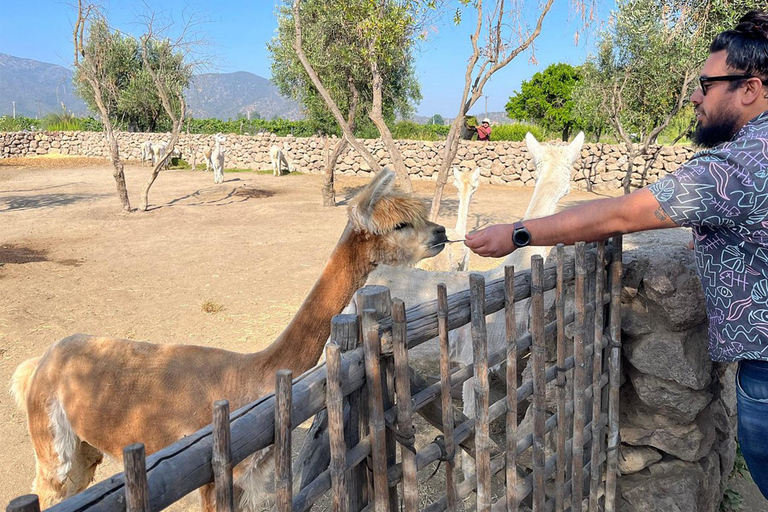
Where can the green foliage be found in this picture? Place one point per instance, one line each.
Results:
(280, 127)
(436, 119)
(547, 99)
(516, 132)
(112, 64)
(341, 39)
(732, 501)
(9, 124)
(408, 130)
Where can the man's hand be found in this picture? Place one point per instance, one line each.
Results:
(494, 241)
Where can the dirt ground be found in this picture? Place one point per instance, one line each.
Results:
(71, 261)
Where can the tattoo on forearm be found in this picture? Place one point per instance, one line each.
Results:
(660, 213)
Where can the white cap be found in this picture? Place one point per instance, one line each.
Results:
(486, 120)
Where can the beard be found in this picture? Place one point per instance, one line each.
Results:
(721, 127)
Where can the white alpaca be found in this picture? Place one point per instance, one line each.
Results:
(147, 155)
(456, 256)
(217, 158)
(278, 157)
(414, 286)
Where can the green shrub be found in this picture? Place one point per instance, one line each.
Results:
(516, 132)
(9, 124)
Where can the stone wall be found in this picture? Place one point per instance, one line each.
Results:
(601, 167)
(678, 409)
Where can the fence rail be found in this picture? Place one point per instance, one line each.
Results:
(369, 395)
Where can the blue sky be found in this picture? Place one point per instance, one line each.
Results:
(238, 31)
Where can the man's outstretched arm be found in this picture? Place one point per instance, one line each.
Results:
(589, 222)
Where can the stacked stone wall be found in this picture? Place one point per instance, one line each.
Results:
(601, 167)
(678, 409)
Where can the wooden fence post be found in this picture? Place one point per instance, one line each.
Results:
(377, 297)
(136, 488)
(538, 356)
(335, 407)
(579, 378)
(614, 378)
(597, 372)
(221, 461)
(404, 407)
(26, 503)
(445, 396)
(283, 473)
(562, 416)
(482, 434)
(373, 377)
(510, 319)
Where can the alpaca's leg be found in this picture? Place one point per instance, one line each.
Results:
(254, 479)
(208, 498)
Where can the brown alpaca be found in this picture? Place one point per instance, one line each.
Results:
(89, 395)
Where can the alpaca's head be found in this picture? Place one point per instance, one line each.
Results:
(220, 138)
(553, 173)
(466, 182)
(393, 227)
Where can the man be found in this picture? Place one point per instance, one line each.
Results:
(722, 193)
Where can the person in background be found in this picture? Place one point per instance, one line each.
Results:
(483, 131)
(722, 194)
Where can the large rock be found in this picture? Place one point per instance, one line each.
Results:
(678, 356)
(636, 458)
(679, 402)
(669, 291)
(671, 486)
(643, 426)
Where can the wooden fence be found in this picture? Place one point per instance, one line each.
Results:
(367, 397)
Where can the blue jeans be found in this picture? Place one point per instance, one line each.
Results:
(752, 397)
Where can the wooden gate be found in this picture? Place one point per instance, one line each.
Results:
(367, 397)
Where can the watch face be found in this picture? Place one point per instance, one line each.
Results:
(521, 237)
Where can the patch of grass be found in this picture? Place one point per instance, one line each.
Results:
(237, 170)
(732, 500)
(179, 163)
(211, 307)
(294, 173)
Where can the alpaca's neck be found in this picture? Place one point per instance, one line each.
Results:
(300, 345)
(465, 194)
(549, 190)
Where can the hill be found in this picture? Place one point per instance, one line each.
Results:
(39, 88)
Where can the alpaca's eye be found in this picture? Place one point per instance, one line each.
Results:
(402, 226)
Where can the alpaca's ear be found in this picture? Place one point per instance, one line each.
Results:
(365, 202)
(456, 177)
(534, 148)
(475, 178)
(574, 148)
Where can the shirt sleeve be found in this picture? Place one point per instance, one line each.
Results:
(717, 187)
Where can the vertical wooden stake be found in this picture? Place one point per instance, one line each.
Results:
(283, 473)
(513, 501)
(345, 332)
(562, 416)
(482, 435)
(335, 406)
(222, 457)
(26, 503)
(579, 378)
(136, 487)
(445, 396)
(597, 371)
(404, 406)
(614, 379)
(372, 347)
(538, 356)
(377, 297)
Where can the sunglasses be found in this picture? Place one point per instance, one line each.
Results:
(705, 82)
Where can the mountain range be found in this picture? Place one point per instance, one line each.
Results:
(39, 88)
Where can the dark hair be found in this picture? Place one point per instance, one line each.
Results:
(746, 45)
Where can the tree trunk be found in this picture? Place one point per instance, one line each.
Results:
(114, 148)
(377, 117)
(566, 132)
(161, 163)
(449, 153)
(329, 194)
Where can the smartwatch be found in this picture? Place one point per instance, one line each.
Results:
(521, 237)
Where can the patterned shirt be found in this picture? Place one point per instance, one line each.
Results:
(722, 193)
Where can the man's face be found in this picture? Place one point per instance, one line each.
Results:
(485, 124)
(717, 113)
